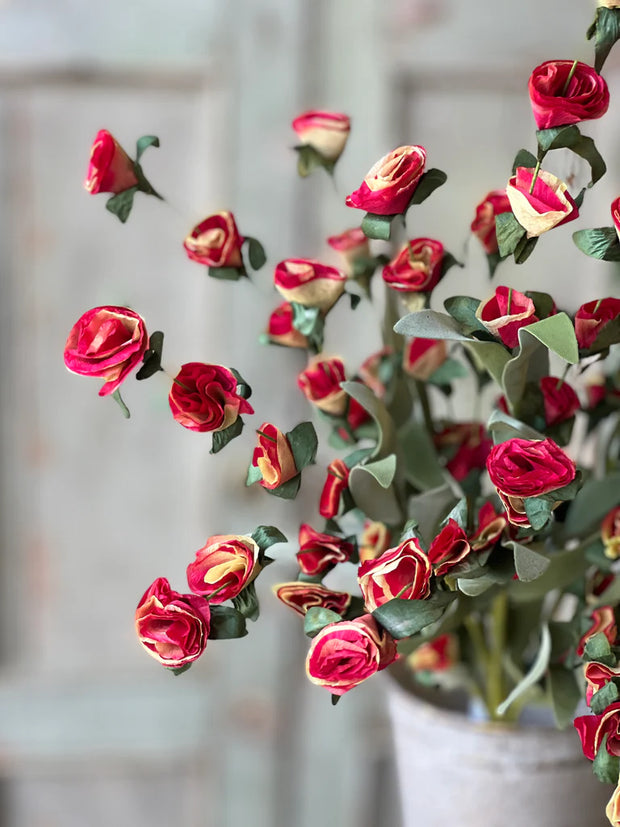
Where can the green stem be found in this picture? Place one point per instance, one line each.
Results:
(535, 176)
(426, 407)
(568, 79)
(481, 655)
(390, 317)
(496, 690)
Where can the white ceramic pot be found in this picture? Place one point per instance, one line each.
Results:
(455, 771)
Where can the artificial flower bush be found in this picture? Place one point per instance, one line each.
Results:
(482, 551)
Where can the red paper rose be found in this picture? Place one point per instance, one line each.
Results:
(107, 342)
(592, 317)
(281, 330)
(522, 468)
(549, 205)
(610, 533)
(303, 596)
(327, 132)
(557, 101)
(422, 357)
(560, 400)
(319, 553)
(373, 368)
(320, 384)
(375, 539)
(204, 398)
(110, 168)
(273, 457)
(505, 313)
(448, 548)
(593, 728)
(352, 245)
(436, 655)
(483, 226)
(604, 622)
(309, 283)
(466, 446)
(336, 483)
(597, 675)
(615, 214)
(391, 182)
(490, 527)
(215, 242)
(416, 268)
(404, 571)
(344, 654)
(223, 567)
(172, 627)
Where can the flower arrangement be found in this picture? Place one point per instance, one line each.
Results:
(484, 551)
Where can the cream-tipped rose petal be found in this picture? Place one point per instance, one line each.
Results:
(529, 218)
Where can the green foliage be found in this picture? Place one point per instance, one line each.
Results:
(606, 31)
(403, 618)
(431, 180)
(529, 564)
(535, 673)
(606, 767)
(377, 226)
(569, 137)
(226, 623)
(598, 242)
(598, 648)
(304, 443)
(227, 273)
(523, 158)
(151, 361)
(564, 694)
(256, 253)
(246, 602)
(121, 204)
(308, 159)
(220, 439)
(266, 536)
(509, 233)
(605, 696)
(116, 396)
(317, 618)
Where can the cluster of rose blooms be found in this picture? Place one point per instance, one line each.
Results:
(349, 643)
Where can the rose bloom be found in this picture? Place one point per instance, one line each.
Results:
(309, 283)
(336, 483)
(448, 548)
(416, 268)
(521, 468)
(604, 621)
(505, 313)
(326, 132)
(490, 527)
(223, 567)
(373, 368)
(596, 676)
(320, 384)
(110, 168)
(404, 571)
(204, 398)
(483, 226)
(344, 654)
(303, 596)
(592, 317)
(554, 104)
(422, 357)
(434, 656)
(548, 206)
(467, 446)
(593, 728)
(374, 540)
(280, 329)
(319, 553)
(172, 627)
(388, 187)
(273, 457)
(215, 242)
(610, 533)
(107, 342)
(560, 400)
(352, 245)
(612, 810)
(615, 214)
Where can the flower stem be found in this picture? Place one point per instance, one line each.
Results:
(535, 176)
(426, 407)
(495, 675)
(568, 79)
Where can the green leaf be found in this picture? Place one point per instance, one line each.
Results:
(428, 183)
(266, 536)
(489, 356)
(447, 372)
(543, 303)
(430, 508)
(308, 159)
(144, 143)
(116, 396)
(226, 623)
(403, 618)
(529, 564)
(316, 618)
(606, 767)
(609, 335)
(564, 694)
(376, 408)
(254, 475)
(305, 318)
(606, 31)
(429, 324)
(246, 602)
(509, 233)
(463, 309)
(493, 260)
(421, 464)
(226, 273)
(605, 696)
(287, 491)
(475, 586)
(570, 137)
(335, 699)
(503, 427)
(151, 361)
(355, 299)
(178, 670)
(523, 158)
(243, 389)
(377, 502)
(524, 249)
(256, 253)
(377, 226)
(598, 242)
(598, 649)
(382, 470)
(304, 443)
(565, 567)
(594, 501)
(537, 670)
(538, 512)
(221, 438)
(120, 204)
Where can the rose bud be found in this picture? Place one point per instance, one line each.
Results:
(549, 205)
(592, 318)
(204, 398)
(344, 654)
(610, 533)
(172, 627)
(336, 483)
(505, 313)
(448, 548)
(373, 369)
(374, 541)
(319, 553)
(483, 226)
(596, 676)
(522, 468)
(388, 187)
(352, 245)
(281, 331)
(404, 571)
(107, 342)
(560, 400)
(320, 384)
(557, 101)
(612, 810)
(110, 168)
(309, 283)
(215, 242)
(435, 656)
(615, 214)
(326, 132)
(223, 567)
(303, 596)
(593, 728)
(422, 357)
(491, 526)
(467, 447)
(416, 268)
(273, 457)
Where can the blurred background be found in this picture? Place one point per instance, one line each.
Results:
(94, 507)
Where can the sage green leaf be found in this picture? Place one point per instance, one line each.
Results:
(308, 159)
(606, 766)
(246, 602)
(287, 491)
(566, 492)
(529, 564)
(403, 618)
(523, 158)
(227, 273)
(377, 226)
(226, 623)
(475, 586)
(419, 457)
(304, 318)
(386, 432)
(243, 389)
(144, 143)
(428, 183)
(120, 204)
(594, 501)
(460, 514)
(489, 356)
(254, 475)
(447, 372)
(605, 696)
(598, 242)
(377, 502)
(564, 694)
(316, 618)
(256, 253)
(151, 361)
(430, 508)
(503, 427)
(382, 470)
(598, 649)
(448, 261)
(429, 324)
(493, 260)
(557, 334)
(220, 439)
(570, 137)
(178, 670)
(524, 248)
(606, 31)
(304, 443)
(463, 309)
(543, 303)
(537, 670)
(509, 233)
(538, 511)
(565, 567)
(116, 396)
(609, 335)
(266, 536)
